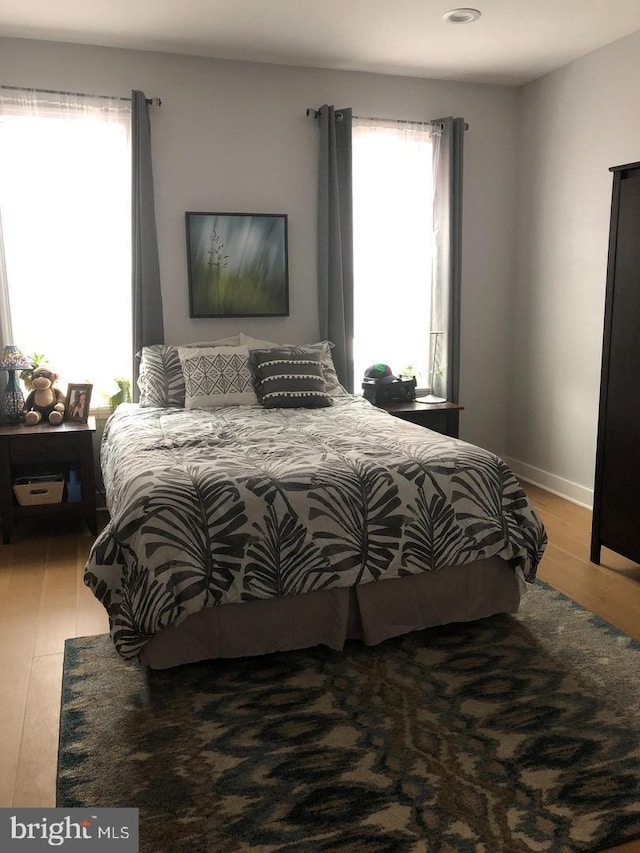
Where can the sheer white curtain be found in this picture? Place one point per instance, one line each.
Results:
(393, 226)
(6, 329)
(65, 197)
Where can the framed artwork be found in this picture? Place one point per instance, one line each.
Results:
(78, 401)
(237, 264)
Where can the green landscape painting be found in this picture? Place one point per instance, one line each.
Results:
(237, 264)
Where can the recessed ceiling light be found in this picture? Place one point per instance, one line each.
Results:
(461, 16)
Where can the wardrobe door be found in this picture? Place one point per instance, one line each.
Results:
(616, 510)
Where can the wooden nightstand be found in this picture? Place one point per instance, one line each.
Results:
(441, 417)
(33, 448)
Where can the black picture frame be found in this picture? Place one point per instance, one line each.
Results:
(78, 402)
(237, 264)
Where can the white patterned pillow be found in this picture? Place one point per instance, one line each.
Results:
(160, 380)
(217, 376)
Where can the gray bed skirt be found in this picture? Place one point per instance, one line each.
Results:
(372, 612)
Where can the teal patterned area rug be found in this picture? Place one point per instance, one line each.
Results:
(509, 734)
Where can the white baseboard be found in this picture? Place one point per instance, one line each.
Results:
(551, 483)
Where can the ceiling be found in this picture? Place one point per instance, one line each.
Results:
(514, 41)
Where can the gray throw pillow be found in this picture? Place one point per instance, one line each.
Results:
(288, 380)
(334, 388)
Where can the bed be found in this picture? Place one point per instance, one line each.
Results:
(238, 528)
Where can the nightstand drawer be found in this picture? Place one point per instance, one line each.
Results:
(440, 417)
(437, 421)
(25, 450)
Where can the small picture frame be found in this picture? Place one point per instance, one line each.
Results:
(78, 401)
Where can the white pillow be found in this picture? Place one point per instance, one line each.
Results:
(217, 376)
(256, 343)
(231, 341)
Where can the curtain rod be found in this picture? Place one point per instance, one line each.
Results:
(315, 113)
(401, 121)
(155, 102)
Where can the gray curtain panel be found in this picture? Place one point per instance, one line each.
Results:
(148, 325)
(335, 239)
(445, 309)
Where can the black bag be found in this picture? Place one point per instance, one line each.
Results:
(379, 391)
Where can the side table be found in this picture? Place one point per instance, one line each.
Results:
(440, 417)
(41, 447)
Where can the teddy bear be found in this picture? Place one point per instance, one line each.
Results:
(44, 401)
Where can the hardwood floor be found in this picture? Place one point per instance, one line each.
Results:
(612, 589)
(43, 601)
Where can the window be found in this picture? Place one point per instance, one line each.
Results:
(65, 198)
(393, 246)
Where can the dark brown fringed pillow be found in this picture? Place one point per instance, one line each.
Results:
(288, 380)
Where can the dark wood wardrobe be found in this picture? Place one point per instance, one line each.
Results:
(616, 503)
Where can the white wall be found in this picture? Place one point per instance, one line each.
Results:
(233, 136)
(574, 125)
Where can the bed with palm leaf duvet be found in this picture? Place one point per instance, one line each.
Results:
(241, 530)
